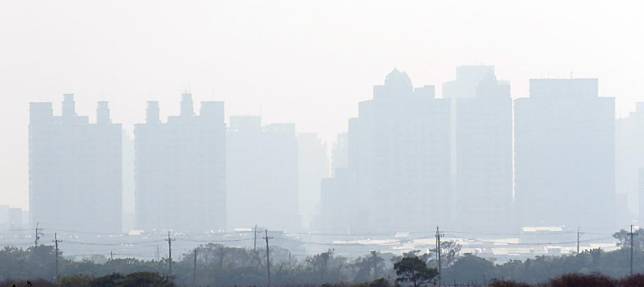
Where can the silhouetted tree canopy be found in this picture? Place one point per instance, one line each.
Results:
(414, 270)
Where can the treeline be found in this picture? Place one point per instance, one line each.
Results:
(218, 265)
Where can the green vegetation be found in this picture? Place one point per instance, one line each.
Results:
(218, 265)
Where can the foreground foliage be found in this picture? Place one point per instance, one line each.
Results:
(218, 265)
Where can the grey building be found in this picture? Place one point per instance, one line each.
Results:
(312, 166)
(262, 174)
(397, 177)
(640, 191)
(481, 149)
(180, 165)
(338, 211)
(565, 155)
(74, 169)
(629, 158)
(340, 153)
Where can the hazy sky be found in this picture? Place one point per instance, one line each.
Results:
(309, 62)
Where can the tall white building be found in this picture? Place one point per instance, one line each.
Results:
(313, 166)
(398, 160)
(629, 158)
(127, 202)
(262, 174)
(565, 155)
(74, 169)
(481, 149)
(640, 191)
(337, 209)
(340, 153)
(180, 169)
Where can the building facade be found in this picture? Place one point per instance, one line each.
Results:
(629, 159)
(398, 160)
(74, 169)
(180, 169)
(481, 150)
(565, 155)
(262, 174)
(312, 166)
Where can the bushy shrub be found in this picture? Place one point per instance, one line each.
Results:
(507, 283)
(632, 281)
(23, 283)
(585, 280)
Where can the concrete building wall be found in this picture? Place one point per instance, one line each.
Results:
(74, 169)
(565, 155)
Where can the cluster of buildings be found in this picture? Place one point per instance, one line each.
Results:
(473, 159)
(189, 173)
(477, 161)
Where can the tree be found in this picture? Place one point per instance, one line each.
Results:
(145, 279)
(75, 281)
(470, 269)
(624, 239)
(414, 270)
(449, 251)
(369, 267)
(137, 279)
(326, 266)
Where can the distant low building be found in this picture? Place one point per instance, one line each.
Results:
(12, 218)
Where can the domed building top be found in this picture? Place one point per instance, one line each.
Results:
(398, 82)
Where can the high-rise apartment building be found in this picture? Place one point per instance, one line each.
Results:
(565, 155)
(398, 160)
(629, 157)
(262, 174)
(74, 169)
(312, 167)
(481, 149)
(180, 169)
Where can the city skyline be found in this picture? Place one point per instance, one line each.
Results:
(328, 139)
(321, 143)
(303, 53)
(448, 160)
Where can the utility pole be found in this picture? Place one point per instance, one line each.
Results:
(194, 269)
(438, 252)
(578, 236)
(56, 241)
(631, 234)
(255, 240)
(111, 255)
(37, 235)
(268, 260)
(169, 254)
